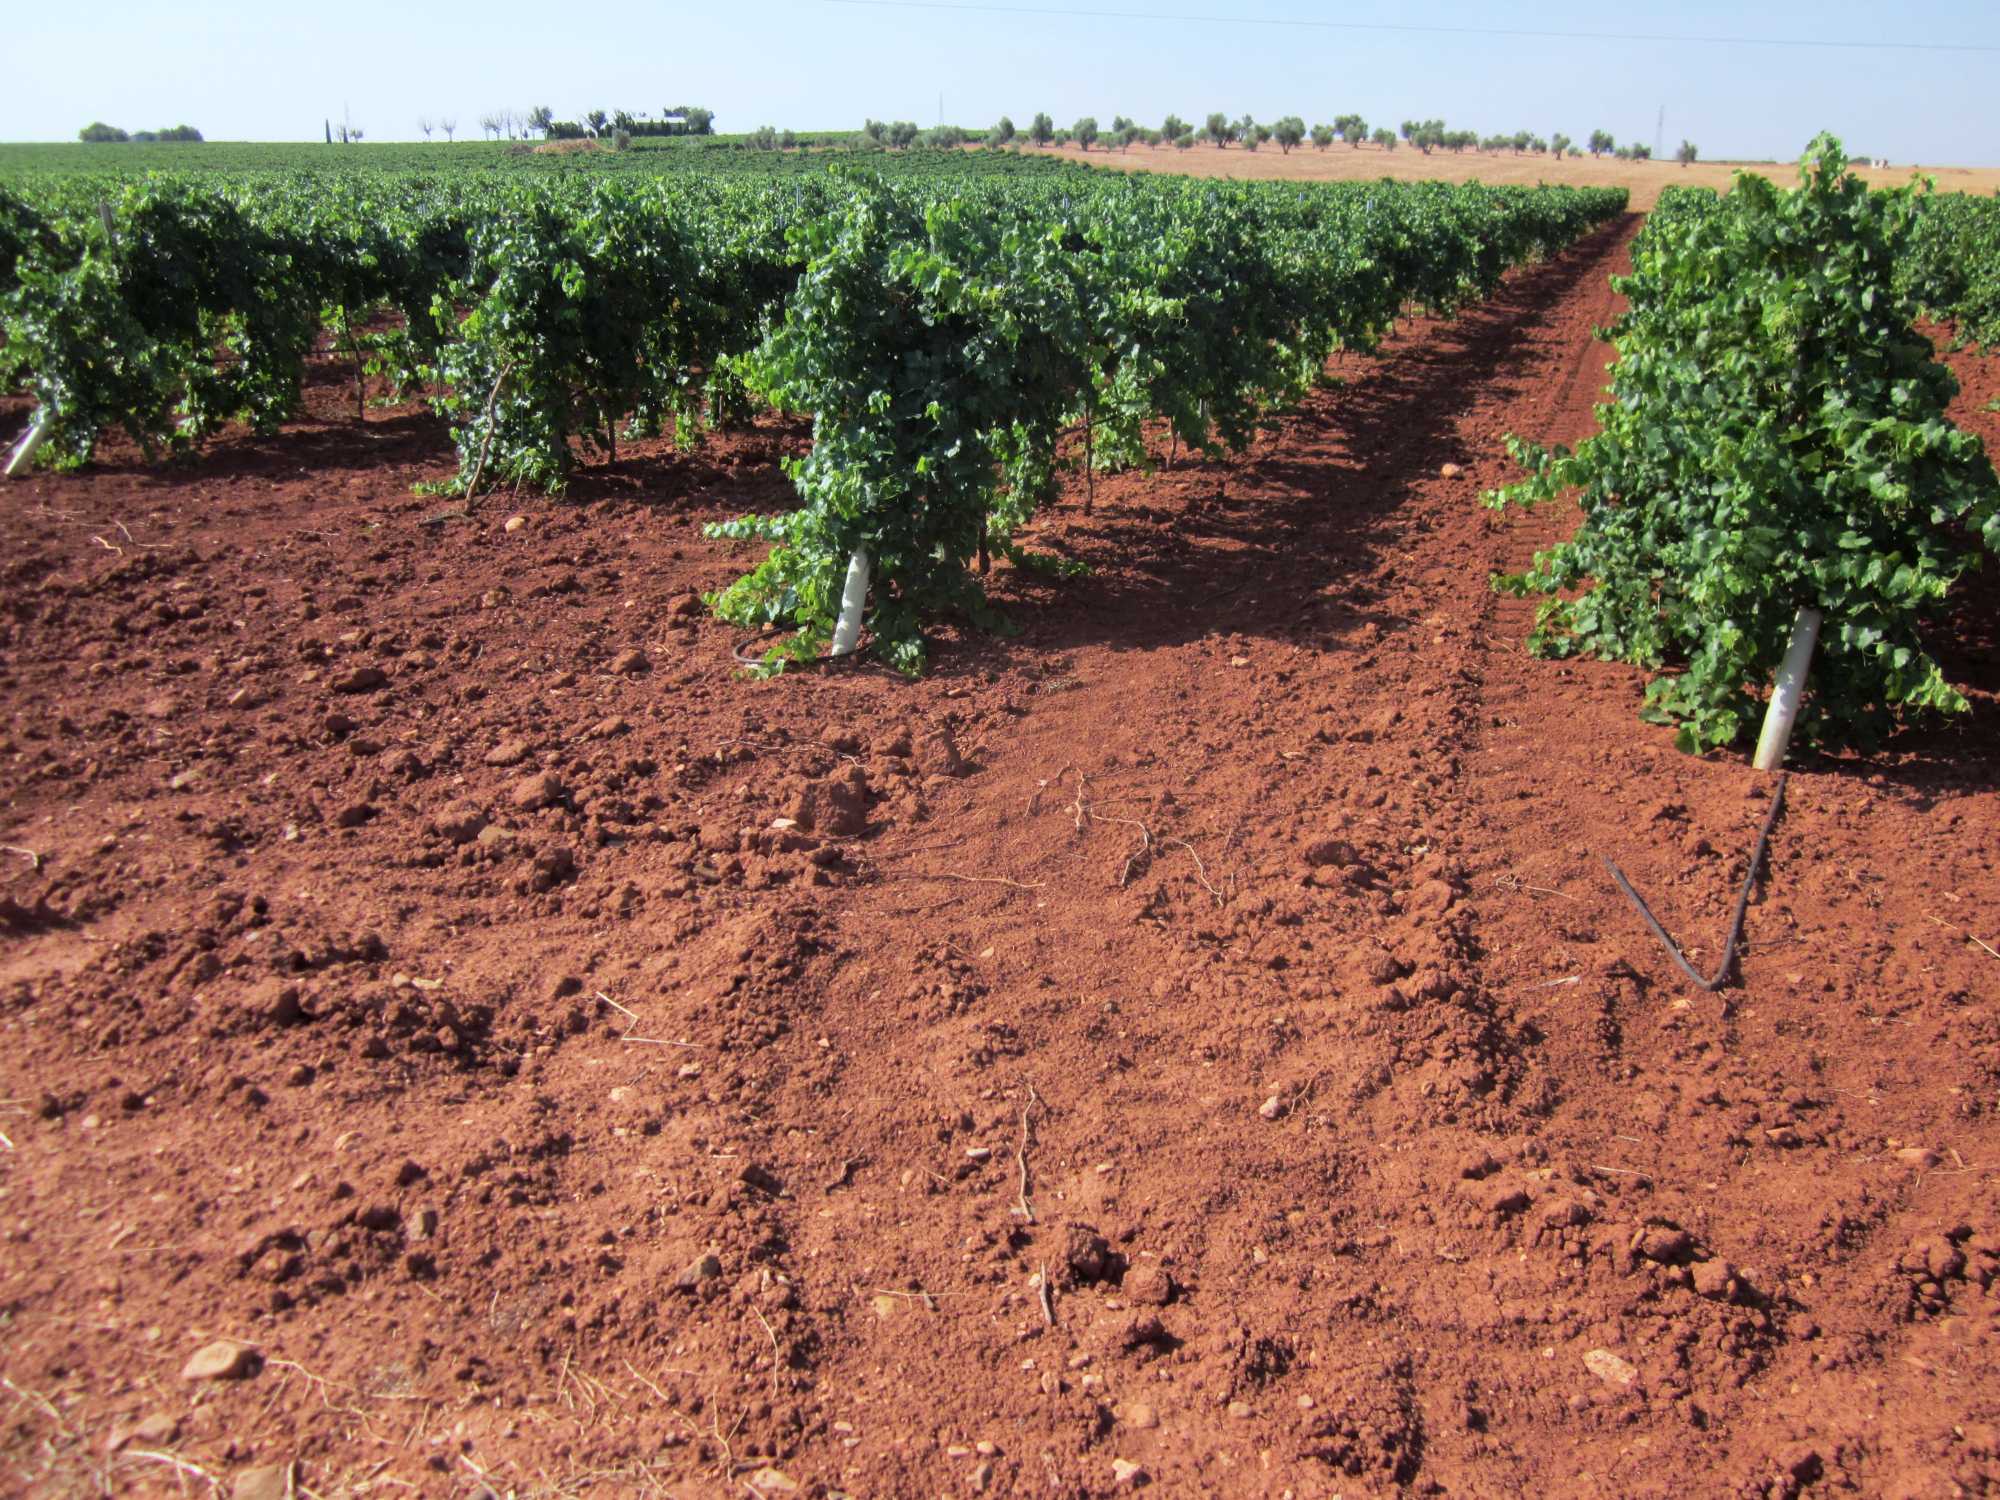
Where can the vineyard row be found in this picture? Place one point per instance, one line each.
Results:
(946, 334)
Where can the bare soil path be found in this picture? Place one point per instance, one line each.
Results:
(1190, 1043)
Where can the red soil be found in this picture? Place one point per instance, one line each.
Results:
(1255, 981)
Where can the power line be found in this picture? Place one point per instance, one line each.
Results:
(1385, 26)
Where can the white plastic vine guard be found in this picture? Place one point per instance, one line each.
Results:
(1789, 692)
(24, 451)
(847, 630)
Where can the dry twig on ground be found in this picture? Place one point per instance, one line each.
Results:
(1023, 1207)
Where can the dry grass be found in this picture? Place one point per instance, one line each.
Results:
(1342, 163)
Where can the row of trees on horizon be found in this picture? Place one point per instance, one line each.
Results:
(512, 125)
(1218, 131)
(1221, 132)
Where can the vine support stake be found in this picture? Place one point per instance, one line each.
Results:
(1789, 692)
(24, 451)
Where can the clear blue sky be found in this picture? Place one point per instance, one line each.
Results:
(240, 70)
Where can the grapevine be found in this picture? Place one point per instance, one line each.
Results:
(1776, 439)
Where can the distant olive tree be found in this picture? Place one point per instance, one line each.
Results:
(1218, 130)
(1559, 143)
(1322, 136)
(1386, 138)
(1001, 133)
(426, 125)
(1688, 154)
(1426, 135)
(1041, 130)
(1085, 131)
(540, 118)
(97, 131)
(1288, 132)
(903, 134)
(1602, 141)
(1351, 129)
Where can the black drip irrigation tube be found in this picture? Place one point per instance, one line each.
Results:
(1728, 963)
(849, 659)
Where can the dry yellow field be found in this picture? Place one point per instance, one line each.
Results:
(1346, 163)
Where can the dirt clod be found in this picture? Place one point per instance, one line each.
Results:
(543, 789)
(361, 679)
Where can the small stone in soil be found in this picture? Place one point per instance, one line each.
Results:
(515, 523)
(706, 1268)
(630, 661)
(1127, 1474)
(222, 1360)
(1272, 1108)
(1610, 1369)
(267, 1482)
(150, 1431)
